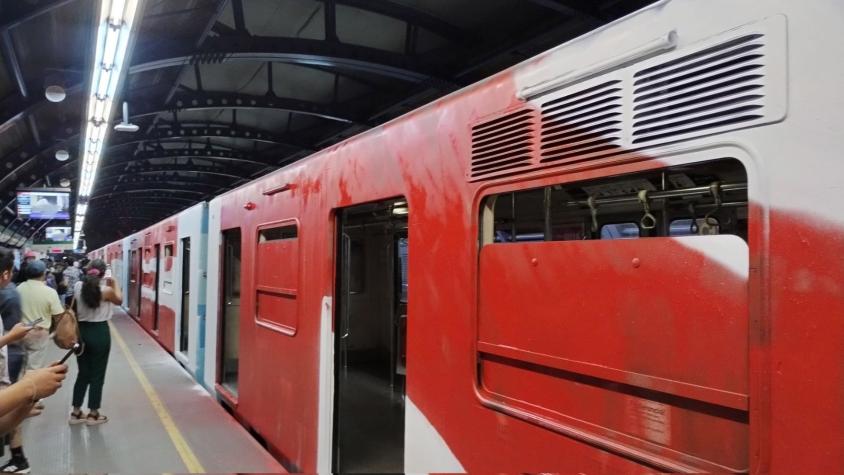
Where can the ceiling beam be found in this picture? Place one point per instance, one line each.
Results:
(142, 159)
(212, 185)
(285, 50)
(410, 15)
(569, 7)
(203, 101)
(145, 190)
(10, 57)
(182, 185)
(15, 12)
(171, 201)
(124, 170)
(168, 131)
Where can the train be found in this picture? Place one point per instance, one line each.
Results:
(622, 255)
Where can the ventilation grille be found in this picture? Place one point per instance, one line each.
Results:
(709, 89)
(582, 124)
(502, 145)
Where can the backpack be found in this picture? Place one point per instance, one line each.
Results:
(65, 329)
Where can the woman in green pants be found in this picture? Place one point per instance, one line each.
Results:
(95, 298)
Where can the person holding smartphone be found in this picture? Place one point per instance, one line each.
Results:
(19, 398)
(95, 297)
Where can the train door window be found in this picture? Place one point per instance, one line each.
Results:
(184, 336)
(654, 266)
(230, 334)
(155, 312)
(277, 277)
(167, 273)
(370, 338)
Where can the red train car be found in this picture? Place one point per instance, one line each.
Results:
(620, 256)
(166, 283)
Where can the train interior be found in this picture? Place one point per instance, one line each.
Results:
(370, 333)
(706, 198)
(230, 331)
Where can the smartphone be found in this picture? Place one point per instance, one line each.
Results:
(36, 322)
(71, 351)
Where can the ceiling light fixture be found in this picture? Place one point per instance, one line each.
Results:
(113, 34)
(62, 155)
(55, 93)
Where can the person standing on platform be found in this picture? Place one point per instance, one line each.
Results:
(72, 274)
(20, 275)
(10, 312)
(95, 297)
(40, 304)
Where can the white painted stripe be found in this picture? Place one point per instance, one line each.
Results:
(727, 250)
(425, 451)
(326, 388)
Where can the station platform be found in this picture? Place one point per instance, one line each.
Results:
(161, 421)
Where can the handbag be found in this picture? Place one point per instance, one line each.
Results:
(66, 328)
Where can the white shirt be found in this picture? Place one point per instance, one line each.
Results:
(87, 314)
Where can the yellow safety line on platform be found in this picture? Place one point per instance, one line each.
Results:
(188, 457)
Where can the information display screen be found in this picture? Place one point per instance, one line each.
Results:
(58, 234)
(44, 203)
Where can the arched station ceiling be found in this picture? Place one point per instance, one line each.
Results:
(227, 90)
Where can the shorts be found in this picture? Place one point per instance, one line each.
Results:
(35, 344)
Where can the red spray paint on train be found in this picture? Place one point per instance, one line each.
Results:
(618, 256)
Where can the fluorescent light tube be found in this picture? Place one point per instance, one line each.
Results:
(117, 11)
(116, 20)
(111, 42)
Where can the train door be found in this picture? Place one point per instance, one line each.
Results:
(185, 313)
(155, 314)
(134, 284)
(370, 338)
(229, 356)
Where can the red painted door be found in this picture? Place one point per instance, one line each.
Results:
(638, 346)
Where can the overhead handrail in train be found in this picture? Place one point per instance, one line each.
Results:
(593, 210)
(648, 221)
(658, 195)
(693, 228)
(707, 225)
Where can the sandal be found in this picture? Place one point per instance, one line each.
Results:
(96, 419)
(76, 418)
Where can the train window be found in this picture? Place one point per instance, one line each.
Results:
(277, 277)
(620, 231)
(690, 227)
(278, 233)
(402, 249)
(703, 199)
(168, 250)
(518, 216)
(625, 281)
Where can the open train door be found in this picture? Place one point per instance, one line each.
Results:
(135, 283)
(369, 385)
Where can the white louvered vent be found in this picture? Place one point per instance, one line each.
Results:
(722, 86)
(582, 124)
(502, 145)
